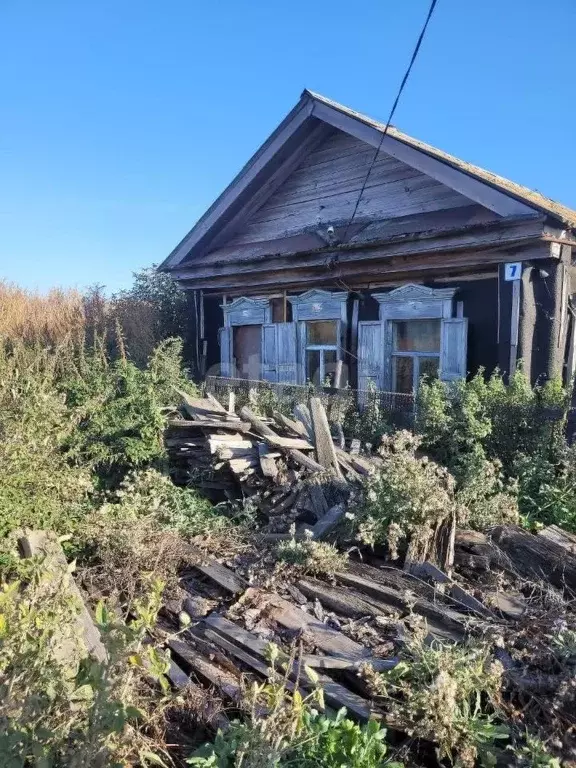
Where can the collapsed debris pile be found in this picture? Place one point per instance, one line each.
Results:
(291, 469)
(357, 621)
(509, 587)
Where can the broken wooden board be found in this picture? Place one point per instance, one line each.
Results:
(342, 600)
(428, 570)
(203, 424)
(438, 547)
(325, 451)
(223, 576)
(536, 557)
(440, 614)
(267, 461)
(302, 414)
(224, 680)
(203, 407)
(272, 438)
(294, 426)
(325, 638)
(560, 536)
(335, 694)
(328, 522)
(344, 663)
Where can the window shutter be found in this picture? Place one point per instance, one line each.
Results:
(453, 348)
(226, 351)
(286, 353)
(269, 352)
(370, 354)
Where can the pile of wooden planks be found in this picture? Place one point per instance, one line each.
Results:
(294, 470)
(364, 616)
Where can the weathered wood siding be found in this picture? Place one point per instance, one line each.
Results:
(327, 183)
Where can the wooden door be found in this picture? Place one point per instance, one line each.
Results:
(247, 351)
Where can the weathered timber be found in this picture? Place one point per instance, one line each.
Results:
(325, 452)
(344, 663)
(428, 570)
(437, 548)
(329, 521)
(334, 693)
(203, 424)
(342, 600)
(295, 426)
(223, 576)
(325, 638)
(560, 536)
(536, 557)
(224, 680)
(302, 414)
(317, 499)
(45, 544)
(267, 462)
(360, 464)
(272, 438)
(436, 611)
(473, 245)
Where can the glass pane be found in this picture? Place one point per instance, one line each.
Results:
(313, 366)
(329, 367)
(404, 374)
(429, 367)
(417, 336)
(322, 332)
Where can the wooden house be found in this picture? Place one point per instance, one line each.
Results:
(344, 250)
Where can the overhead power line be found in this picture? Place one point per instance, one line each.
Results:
(391, 115)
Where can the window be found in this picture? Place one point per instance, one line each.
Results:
(415, 352)
(321, 351)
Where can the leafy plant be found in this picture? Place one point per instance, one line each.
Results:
(118, 415)
(449, 694)
(58, 707)
(284, 730)
(408, 495)
(311, 556)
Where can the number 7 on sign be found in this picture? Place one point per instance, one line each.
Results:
(513, 271)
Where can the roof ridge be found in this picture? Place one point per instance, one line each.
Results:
(524, 193)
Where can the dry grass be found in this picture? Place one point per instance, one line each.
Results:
(48, 318)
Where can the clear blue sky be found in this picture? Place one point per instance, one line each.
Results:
(121, 120)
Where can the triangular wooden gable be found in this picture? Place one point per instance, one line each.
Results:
(308, 175)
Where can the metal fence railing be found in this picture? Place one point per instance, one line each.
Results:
(342, 405)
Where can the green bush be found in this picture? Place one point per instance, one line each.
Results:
(448, 694)
(408, 496)
(547, 489)
(119, 421)
(311, 556)
(58, 707)
(38, 488)
(505, 446)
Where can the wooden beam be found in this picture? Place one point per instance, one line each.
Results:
(448, 241)
(514, 325)
(325, 452)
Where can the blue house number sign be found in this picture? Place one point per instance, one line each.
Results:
(513, 271)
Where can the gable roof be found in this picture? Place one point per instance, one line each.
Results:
(529, 196)
(313, 113)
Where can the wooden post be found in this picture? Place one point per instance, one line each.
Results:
(514, 324)
(284, 308)
(338, 375)
(353, 357)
